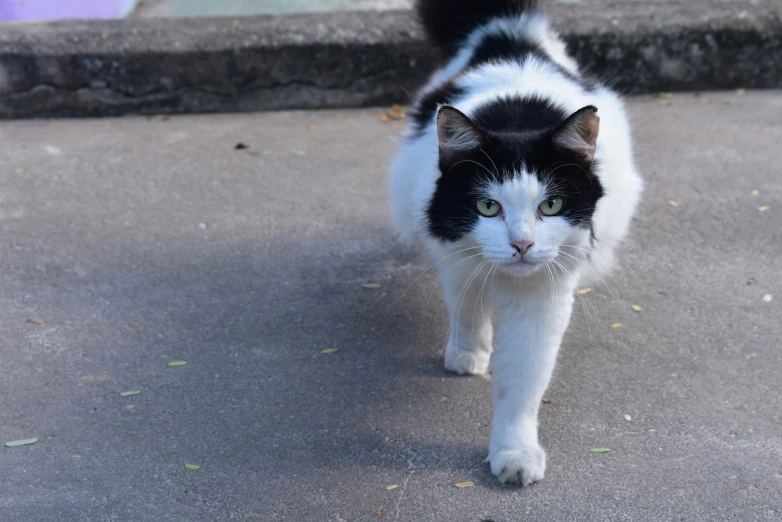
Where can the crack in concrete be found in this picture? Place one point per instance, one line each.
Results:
(402, 496)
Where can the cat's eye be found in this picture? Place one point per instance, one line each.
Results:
(488, 207)
(552, 207)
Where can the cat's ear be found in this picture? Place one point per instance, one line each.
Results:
(457, 134)
(579, 132)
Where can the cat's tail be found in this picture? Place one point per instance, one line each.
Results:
(449, 22)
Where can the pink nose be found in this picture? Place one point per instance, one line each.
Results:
(522, 246)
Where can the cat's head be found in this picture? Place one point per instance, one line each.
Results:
(525, 197)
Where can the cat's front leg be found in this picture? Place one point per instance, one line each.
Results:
(527, 338)
(466, 289)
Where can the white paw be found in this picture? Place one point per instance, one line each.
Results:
(525, 466)
(466, 362)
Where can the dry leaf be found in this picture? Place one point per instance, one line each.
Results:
(177, 363)
(384, 118)
(763, 208)
(584, 291)
(392, 487)
(193, 467)
(329, 351)
(129, 393)
(546, 401)
(34, 320)
(23, 442)
(673, 203)
(756, 193)
(637, 308)
(617, 325)
(600, 450)
(462, 485)
(379, 512)
(628, 418)
(767, 298)
(397, 112)
(370, 286)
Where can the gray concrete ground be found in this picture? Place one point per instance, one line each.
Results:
(139, 242)
(166, 8)
(177, 8)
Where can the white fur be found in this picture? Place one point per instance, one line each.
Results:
(519, 311)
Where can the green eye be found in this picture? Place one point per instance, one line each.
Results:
(488, 207)
(551, 207)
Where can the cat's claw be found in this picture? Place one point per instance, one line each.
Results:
(466, 362)
(524, 466)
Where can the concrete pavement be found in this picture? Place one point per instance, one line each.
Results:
(139, 242)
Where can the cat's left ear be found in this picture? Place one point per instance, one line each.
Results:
(457, 134)
(579, 132)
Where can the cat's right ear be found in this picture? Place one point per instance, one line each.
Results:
(457, 134)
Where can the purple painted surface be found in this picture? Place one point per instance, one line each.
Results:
(59, 9)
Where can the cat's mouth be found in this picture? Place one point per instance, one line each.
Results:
(519, 266)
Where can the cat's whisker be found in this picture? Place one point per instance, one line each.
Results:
(463, 293)
(435, 285)
(443, 276)
(496, 170)
(585, 304)
(480, 298)
(581, 297)
(471, 161)
(599, 277)
(455, 316)
(425, 271)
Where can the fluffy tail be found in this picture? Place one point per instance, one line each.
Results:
(449, 22)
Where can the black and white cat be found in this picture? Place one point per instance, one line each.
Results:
(517, 177)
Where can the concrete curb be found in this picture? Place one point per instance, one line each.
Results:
(100, 68)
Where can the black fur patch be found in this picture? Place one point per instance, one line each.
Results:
(514, 114)
(425, 110)
(449, 22)
(518, 135)
(503, 48)
(498, 47)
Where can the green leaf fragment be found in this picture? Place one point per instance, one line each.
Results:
(129, 393)
(177, 363)
(370, 286)
(193, 467)
(600, 450)
(637, 308)
(23, 442)
(392, 487)
(628, 418)
(329, 351)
